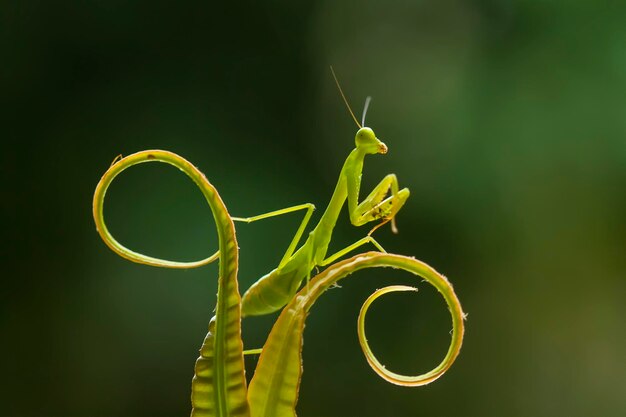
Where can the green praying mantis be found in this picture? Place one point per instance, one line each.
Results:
(274, 290)
(219, 386)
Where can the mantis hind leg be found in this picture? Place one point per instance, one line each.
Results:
(367, 239)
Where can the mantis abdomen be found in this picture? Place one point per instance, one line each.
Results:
(271, 292)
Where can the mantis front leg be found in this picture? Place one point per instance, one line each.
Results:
(375, 206)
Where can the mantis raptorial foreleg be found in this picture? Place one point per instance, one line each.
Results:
(375, 206)
(379, 192)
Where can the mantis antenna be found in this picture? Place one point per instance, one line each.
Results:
(344, 97)
(367, 105)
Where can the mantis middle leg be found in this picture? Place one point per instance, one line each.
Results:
(294, 242)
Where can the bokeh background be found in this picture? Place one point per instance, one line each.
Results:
(505, 118)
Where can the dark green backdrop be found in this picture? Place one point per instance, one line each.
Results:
(506, 119)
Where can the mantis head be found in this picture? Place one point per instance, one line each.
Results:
(367, 141)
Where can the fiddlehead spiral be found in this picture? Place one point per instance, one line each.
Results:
(281, 379)
(219, 384)
(120, 164)
(380, 369)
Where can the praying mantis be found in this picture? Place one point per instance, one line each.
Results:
(219, 387)
(274, 290)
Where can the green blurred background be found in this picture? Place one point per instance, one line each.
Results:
(505, 118)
